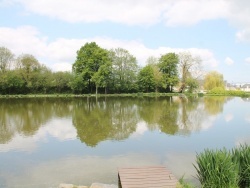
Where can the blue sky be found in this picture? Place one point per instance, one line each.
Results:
(53, 30)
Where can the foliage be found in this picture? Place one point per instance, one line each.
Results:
(89, 59)
(146, 80)
(213, 80)
(241, 156)
(192, 85)
(11, 82)
(189, 67)
(217, 91)
(183, 184)
(168, 66)
(61, 81)
(6, 58)
(222, 91)
(102, 77)
(216, 169)
(124, 71)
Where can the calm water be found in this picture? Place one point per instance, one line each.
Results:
(45, 142)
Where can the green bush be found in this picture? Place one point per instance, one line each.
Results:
(217, 91)
(241, 156)
(216, 169)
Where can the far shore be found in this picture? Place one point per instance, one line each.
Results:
(117, 95)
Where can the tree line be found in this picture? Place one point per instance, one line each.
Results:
(98, 70)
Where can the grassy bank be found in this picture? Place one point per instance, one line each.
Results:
(90, 95)
(211, 93)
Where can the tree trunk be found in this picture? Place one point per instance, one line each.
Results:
(96, 90)
(156, 89)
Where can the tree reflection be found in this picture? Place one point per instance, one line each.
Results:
(99, 119)
(214, 105)
(26, 116)
(102, 119)
(160, 113)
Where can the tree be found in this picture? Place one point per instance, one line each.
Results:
(89, 59)
(11, 82)
(192, 84)
(213, 79)
(6, 58)
(125, 69)
(102, 77)
(61, 81)
(28, 67)
(158, 76)
(189, 67)
(168, 66)
(146, 80)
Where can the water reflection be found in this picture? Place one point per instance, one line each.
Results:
(25, 116)
(160, 114)
(44, 142)
(80, 170)
(214, 105)
(96, 120)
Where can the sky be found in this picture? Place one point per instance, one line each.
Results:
(218, 31)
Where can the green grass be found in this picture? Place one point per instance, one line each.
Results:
(223, 168)
(216, 169)
(183, 184)
(241, 156)
(90, 95)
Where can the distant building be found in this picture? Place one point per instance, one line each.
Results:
(245, 87)
(238, 86)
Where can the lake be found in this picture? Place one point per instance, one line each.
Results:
(48, 141)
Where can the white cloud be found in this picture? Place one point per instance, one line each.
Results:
(25, 39)
(182, 12)
(129, 12)
(61, 53)
(229, 61)
(243, 35)
(5, 3)
(247, 60)
(172, 12)
(145, 12)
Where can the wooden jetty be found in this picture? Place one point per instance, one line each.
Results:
(146, 177)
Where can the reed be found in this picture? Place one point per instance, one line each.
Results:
(241, 157)
(215, 168)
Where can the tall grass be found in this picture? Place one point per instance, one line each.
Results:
(216, 169)
(241, 157)
(222, 168)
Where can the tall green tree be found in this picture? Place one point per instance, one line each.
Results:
(168, 65)
(146, 81)
(102, 77)
(125, 70)
(11, 82)
(6, 58)
(28, 67)
(158, 76)
(61, 81)
(89, 59)
(213, 79)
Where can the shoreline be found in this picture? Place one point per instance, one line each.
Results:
(119, 95)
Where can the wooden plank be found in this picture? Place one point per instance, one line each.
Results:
(146, 177)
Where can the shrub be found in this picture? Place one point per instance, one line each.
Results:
(241, 157)
(216, 169)
(217, 91)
